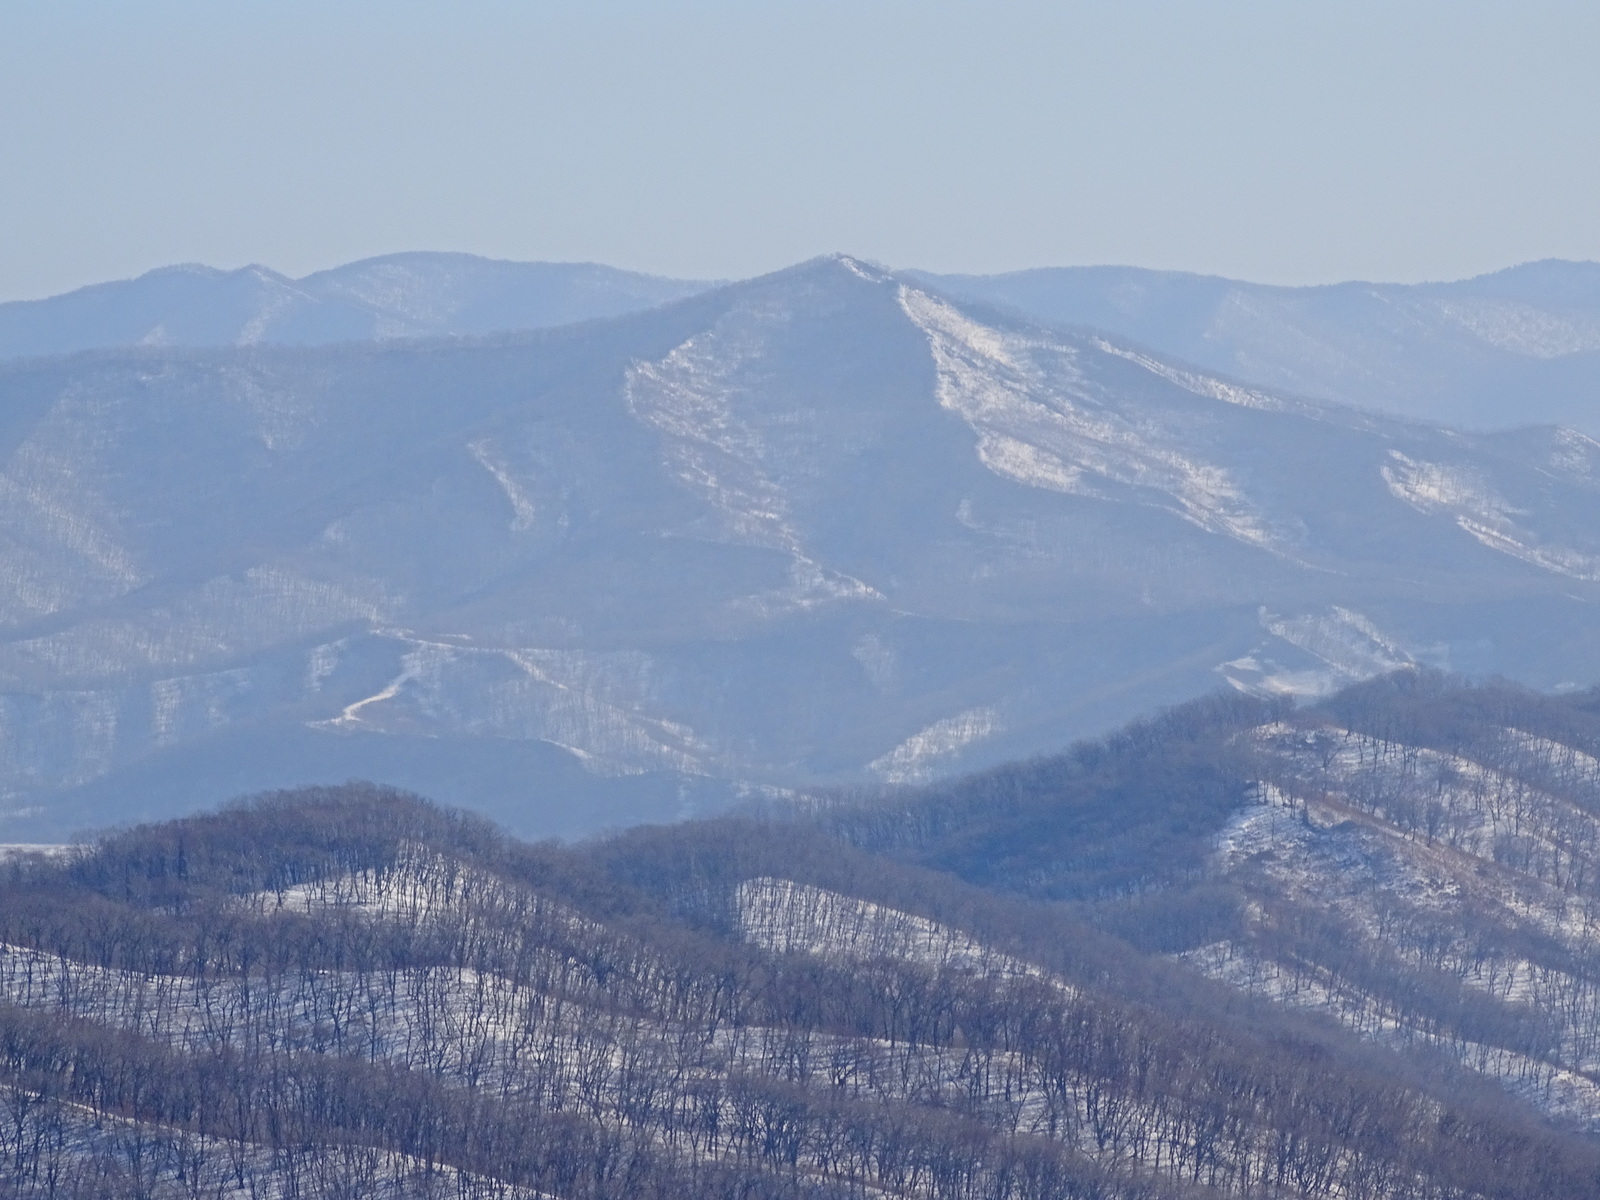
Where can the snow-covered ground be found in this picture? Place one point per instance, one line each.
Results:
(1412, 864)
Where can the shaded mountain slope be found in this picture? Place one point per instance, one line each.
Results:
(823, 527)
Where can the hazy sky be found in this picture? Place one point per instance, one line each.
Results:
(1287, 141)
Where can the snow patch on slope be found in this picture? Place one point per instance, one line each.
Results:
(916, 759)
(786, 917)
(1193, 381)
(1040, 422)
(522, 507)
(1352, 646)
(1478, 509)
(689, 398)
(1575, 455)
(720, 439)
(1348, 644)
(595, 705)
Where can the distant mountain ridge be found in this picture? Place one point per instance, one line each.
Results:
(826, 527)
(1511, 348)
(1516, 347)
(398, 295)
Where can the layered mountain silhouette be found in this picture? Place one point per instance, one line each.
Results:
(1519, 346)
(825, 527)
(1516, 347)
(395, 296)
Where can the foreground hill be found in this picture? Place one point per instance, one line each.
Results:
(822, 527)
(1414, 858)
(1241, 950)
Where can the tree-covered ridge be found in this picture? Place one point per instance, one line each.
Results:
(1417, 857)
(349, 991)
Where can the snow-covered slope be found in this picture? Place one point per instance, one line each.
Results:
(1428, 898)
(347, 992)
(825, 526)
(398, 295)
(1518, 346)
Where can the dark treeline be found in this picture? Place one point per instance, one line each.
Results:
(947, 993)
(1430, 708)
(1133, 811)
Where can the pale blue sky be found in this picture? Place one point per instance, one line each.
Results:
(1287, 142)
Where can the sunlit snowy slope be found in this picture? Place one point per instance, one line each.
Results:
(1507, 349)
(821, 527)
(1518, 346)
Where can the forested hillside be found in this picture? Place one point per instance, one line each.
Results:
(1415, 857)
(1241, 949)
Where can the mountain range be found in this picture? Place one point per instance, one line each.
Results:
(397, 296)
(1515, 347)
(834, 526)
